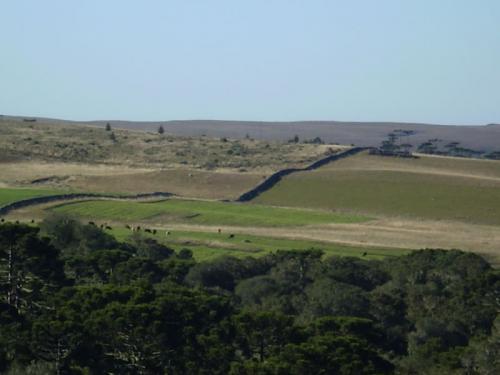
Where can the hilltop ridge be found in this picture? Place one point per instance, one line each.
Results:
(365, 134)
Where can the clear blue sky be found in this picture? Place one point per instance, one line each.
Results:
(403, 60)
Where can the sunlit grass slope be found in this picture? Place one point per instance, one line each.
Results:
(205, 245)
(443, 189)
(203, 213)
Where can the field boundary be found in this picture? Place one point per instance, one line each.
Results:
(272, 180)
(71, 196)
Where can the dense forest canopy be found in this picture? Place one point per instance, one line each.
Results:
(77, 301)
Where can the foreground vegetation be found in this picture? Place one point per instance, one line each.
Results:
(78, 301)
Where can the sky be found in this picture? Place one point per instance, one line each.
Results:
(434, 61)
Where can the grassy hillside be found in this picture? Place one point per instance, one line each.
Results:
(94, 145)
(184, 182)
(209, 245)
(359, 133)
(441, 165)
(92, 159)
(428, 188)
(202, 213)
(100, 178)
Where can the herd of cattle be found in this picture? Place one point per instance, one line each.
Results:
(138, 228)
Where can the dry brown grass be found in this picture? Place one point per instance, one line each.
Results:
(183, 182)
(24, 172)
(122, 179)
(388, 233)
(85, 158)
(93, 145)
(427, 164)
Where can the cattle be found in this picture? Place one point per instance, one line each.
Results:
(147, 230)
(154, 231)
(91, 223)
(231, 235)
(108, 227)
(365, 254)
(128, 227)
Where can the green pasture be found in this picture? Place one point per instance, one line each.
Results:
(391, 193)
(202, 213)
(10, 195)
(208, 245)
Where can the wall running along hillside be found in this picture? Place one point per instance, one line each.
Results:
(63, 197)
(276, 177)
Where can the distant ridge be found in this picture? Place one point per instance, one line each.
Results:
(364, 134)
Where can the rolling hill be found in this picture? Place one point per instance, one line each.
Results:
(429, 187)
(481, 137)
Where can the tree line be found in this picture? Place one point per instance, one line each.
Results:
(77, 301)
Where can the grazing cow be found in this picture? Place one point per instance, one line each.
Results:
(147, 230)
(138, 228)
(231, 235)
(91, 223)
(108, 227)
(32, 221)
(154, 231)
(127, 226)
(101, 226)
(167, 233)
(365, 254)
(219, 230)
(2, 220)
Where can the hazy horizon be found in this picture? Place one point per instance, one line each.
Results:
(20, 116)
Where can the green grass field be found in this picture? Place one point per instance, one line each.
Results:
(10, 195)
(206, 245)
(202, 213)
(391, 193)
